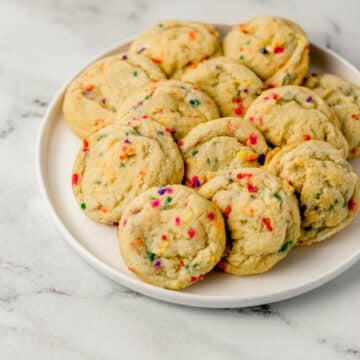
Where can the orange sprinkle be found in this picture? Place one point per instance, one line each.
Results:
(251, 158)
(156, 60)
(142, 173)
(89, 88)
(243, 28)
(85, 145)
(192, 35)
(139, 242)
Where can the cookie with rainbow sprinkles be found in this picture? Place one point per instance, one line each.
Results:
(171, 237)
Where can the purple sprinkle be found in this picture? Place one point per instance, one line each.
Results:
(138, 105)
(196, 183)
(162, 191)
(141, 50)
(157, 264)
(124, 57)
(103, 101)
(246, 91)
(309, 99)
(127, 141)
(261, 159)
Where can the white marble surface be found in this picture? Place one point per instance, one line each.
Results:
(52, 305)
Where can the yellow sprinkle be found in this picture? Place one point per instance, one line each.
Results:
(187, 218)
(242, 155)
(212, 259)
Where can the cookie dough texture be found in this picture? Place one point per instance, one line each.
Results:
(276, 49)
(343, 99)
(177, 105)
(171, 236)
(262, 218)
(325, 184)
(93, 98)
(232, 85)
(292, 114)
(119, 162)
(176, 44)
(219, 145)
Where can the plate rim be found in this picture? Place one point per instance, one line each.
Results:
(176, 297)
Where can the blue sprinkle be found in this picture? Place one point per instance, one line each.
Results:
(261, 159)
(162, 191)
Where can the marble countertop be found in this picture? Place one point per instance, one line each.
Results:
(54, 306)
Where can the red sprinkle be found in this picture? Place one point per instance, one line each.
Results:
(307, 137)
(169, 190)
(75, 179)
(355, 116)
(227, 211)
(191, 233)
(275, 96)
(177, 221)
(251, 188)
(353, 151)
(155, 203)
(163, 237)
(85, 145)
(279, 50)
(181, 142)
(271, 86)
(181, 263)
(168, 130)
(243, 175)
(195, 182)
(197, 278)
(251, 119)
(211, 216)
(252, 139)
(352, 205)
(307, 47)
(267, 223)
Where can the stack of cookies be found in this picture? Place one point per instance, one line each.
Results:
(207, 153)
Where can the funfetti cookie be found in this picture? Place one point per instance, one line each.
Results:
(93, 98)
(276, 49)
(261, 215)
(171, 237)
(232, 85)
(218, 145)
(177, 105)
(325, 184)
(292, 114)
(119, 162)
(174, 44)
(343, 99)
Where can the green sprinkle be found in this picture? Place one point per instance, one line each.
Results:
(285, 246)
(101, 137)
(167, 201)
(248, 42)
(187, 266)
(242, 57)
(195, 265)
(276, 196)
(135, 73)
(194, 153)
(194, 102)
(122, 165)
(317, 196)
(99, 182)
(336, 201)
(83, 206)
(344, 203)
(160, 25)
(151, 256)
(147, 97)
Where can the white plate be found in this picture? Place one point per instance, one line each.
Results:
(301, 271)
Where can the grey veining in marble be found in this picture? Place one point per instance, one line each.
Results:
(52, 305)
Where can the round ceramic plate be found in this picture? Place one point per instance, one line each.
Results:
(304, 269)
